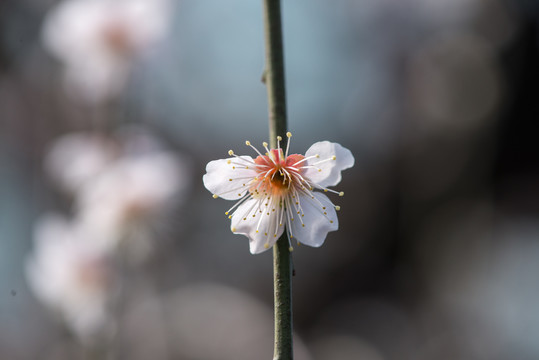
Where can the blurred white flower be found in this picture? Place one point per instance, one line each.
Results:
(121, 184)
(76, 158)
(125, 199)
(98, 39)
(70, 275)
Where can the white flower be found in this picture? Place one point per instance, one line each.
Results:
(125, 199)
(98, 39)
(70, 275)
(120, 183)
(277, 191)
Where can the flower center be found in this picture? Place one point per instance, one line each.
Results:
(117, 38)
(276, 175)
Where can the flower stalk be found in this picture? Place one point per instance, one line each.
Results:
(274, 78)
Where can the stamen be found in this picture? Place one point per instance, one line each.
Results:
(238, 203)
(248, 143)
(288, 135)
(325, 160)
(231, 190)
(305, 159)
(265, 144)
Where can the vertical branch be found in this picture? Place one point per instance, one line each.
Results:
(274, 73)
(275, 83)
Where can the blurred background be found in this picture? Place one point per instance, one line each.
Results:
(110, 110)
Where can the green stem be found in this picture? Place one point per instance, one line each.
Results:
(275, 83)
(274, 73)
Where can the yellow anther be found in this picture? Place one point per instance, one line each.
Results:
(248, 143)
(279, 138)
(233, 229)
(331, 221)
(274, 235)
(230, 152)
(290, 248)
(226, 213)
(303, 225)
(230, 216)
(341, 193)
(266, 246)
(333, 157)
(265, 144)
(215, 196)
(257, 231)
(229, 161)
(229, 179)
(289, 134)
(337, 208)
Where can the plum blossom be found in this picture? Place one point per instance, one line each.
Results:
(122, 184)
(277, 191)
(97, 41)
(71, 275)
(127, 199)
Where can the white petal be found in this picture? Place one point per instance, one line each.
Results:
(244, 223)
(317, 224)
(327, 173)
(227, 179)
